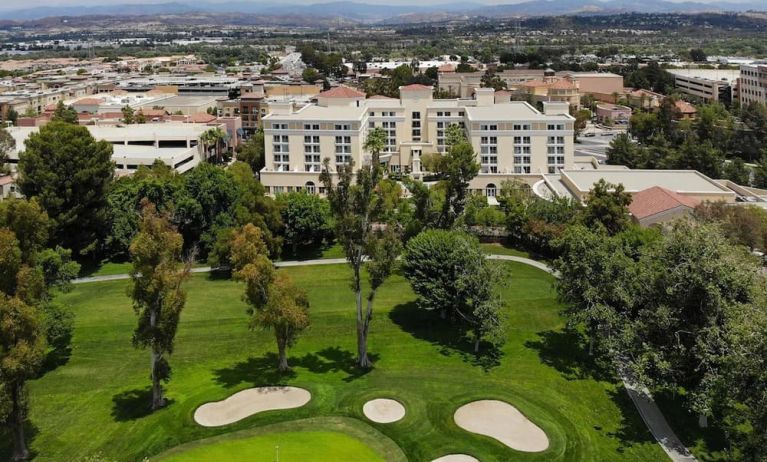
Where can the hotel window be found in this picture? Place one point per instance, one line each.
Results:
(372, 114)
(343, 150)
(311, 126)
(555, 158)
(312, 153)
(391, 136)
(343, 127)
(440, 114)
(311, 188)
(521, 154)
(520, 127)
(281, 148)
(460, 114)
(441, 136)
(416, 126)
(279, 126)
(416, 116)
(489, 127)
(488, 148)
(447, 114)
(556, 127)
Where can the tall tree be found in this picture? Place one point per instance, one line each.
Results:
(252, 151)
(70, 174)
(27, 273)
(64, 113)
(7, 144)
(459, 166)
(157, 293)
(355, 206)
(22, 349)
(274, 302)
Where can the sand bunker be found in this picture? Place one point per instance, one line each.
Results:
(384, 410)
(503, 422)
(456, 458)
(245, 403)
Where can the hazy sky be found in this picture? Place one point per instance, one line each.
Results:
(23, 4)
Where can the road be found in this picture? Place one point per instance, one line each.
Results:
(643, 400)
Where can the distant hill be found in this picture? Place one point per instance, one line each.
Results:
(367, 12)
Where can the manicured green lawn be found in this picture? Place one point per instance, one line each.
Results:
(321, 440)
(97, 402)
(502, 249)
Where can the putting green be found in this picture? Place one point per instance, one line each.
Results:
(314, 446)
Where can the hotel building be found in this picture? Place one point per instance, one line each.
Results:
(510, 138)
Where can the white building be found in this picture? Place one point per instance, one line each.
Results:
(753, 83)
(511, 139)
(176, 144)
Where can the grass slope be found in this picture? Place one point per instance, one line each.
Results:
(97, 402)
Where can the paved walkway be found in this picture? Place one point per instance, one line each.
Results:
(643, 400)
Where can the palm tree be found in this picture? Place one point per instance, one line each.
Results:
(214, 137)
(375, 144)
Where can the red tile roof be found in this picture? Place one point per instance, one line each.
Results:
(201, 118)
(415, 87)
(652, 201)
(685, 108)
(342, 92)
(381, 97)
(89, 101)
(563, 84)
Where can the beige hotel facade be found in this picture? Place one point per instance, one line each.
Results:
(511, 138)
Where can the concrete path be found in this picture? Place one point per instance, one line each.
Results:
(643, 400)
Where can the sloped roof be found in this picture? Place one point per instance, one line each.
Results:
(685, 108)
(89, 101)
(342, 92)
(201, 117)
(563, 84)
(655, 200)
(534, 83)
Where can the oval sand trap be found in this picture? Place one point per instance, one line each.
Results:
(456, 458)
(383, 410)
(247, 402)
(503, 422)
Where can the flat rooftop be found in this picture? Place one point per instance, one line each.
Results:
(136, 132)
(682, 181)
(729, 75)
(330, 113)
(514, 110)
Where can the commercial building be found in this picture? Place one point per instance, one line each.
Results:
(608, 113)
(708, 85)
(688, 183)
(176, 144)
(511, 139)
(753, 83)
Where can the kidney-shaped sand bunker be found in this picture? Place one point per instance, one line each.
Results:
(247, 402)
(503, 422)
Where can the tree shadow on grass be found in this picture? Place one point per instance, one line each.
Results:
(449, 337)
(256, 371)
(632, 429)
(263, 371)
(133, 404)
(567, 352)
(334, 360)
